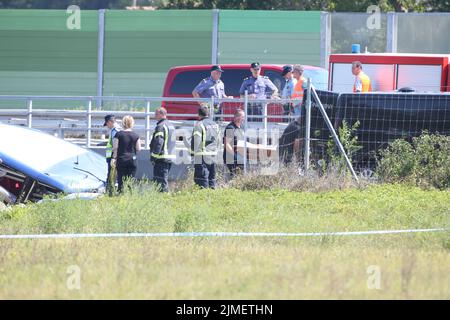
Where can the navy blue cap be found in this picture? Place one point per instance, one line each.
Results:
(255, 65)
(109, 117)
(286, 69)
(216, 67)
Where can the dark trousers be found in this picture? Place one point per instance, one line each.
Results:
(254, 109)
(205, 175)
(108, 161)
(235, 169)
(161, 175)
(109, 184)
(124, 172)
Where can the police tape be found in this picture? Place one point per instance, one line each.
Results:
(213, 234)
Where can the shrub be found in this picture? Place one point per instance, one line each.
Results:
(424, 162)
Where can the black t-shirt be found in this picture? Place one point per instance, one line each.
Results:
(232, 131)
(127, 147)
(287, 139)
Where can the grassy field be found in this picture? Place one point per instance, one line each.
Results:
(367, 267)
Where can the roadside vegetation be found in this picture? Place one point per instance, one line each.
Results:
(410, 191)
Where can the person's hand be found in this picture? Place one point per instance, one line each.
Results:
(113, 163)
(252, 96)
(275, 96)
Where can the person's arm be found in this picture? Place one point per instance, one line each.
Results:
(229, 140)
(272, 87)
(157, 141)
(198, 90)
(196, 138)
(242, 90)
(114, 151)
(224, 95)
(358, 84)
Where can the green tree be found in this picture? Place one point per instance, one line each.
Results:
(63, 4)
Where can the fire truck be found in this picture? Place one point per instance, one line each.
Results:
(392, 71)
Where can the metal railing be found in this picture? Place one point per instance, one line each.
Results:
(57, 119)
(243, 103)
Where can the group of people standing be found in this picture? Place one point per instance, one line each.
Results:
(124, 144)
(258, 87)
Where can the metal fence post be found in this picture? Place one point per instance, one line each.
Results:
(333, 133)
(30, 113)
(308, 123)
(147, 125)
(100, 55)
(325, 38)
(245, 129)
(391, 32)
(265, 124)
(89, 123)
(211, 109)
(215, 36)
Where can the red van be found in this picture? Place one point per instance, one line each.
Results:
(180, 82)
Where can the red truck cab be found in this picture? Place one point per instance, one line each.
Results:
(181, 81)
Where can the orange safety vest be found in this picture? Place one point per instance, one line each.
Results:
(298, 89)
(366, 84)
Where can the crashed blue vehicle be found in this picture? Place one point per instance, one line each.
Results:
(34, 164)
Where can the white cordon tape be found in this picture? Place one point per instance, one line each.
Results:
(210, 234)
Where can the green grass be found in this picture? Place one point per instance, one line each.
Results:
(411, 266)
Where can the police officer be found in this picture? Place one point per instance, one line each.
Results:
(204, 147)
(258, 87)
(211, 87)
(162, 149)
(288, 89)
(110, 122)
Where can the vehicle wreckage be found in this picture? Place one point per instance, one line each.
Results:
(34, 164)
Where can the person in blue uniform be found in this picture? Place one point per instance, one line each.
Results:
(257, 87)
(211, 87)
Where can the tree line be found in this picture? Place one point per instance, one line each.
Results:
(323, 5)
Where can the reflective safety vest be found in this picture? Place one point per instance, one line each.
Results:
(205, 138)
(298, 89)
(365, 81)
(166, 151)
(109, 144)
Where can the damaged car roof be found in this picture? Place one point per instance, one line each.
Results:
(51, 161)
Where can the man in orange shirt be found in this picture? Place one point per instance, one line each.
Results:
(299, 88)
(362, 80)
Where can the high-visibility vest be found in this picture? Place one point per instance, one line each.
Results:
(166, 130)
(366, 83)
(298, 89)
(109, 144)
(209, 135)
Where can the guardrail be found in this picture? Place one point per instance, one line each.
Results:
(65, 119)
